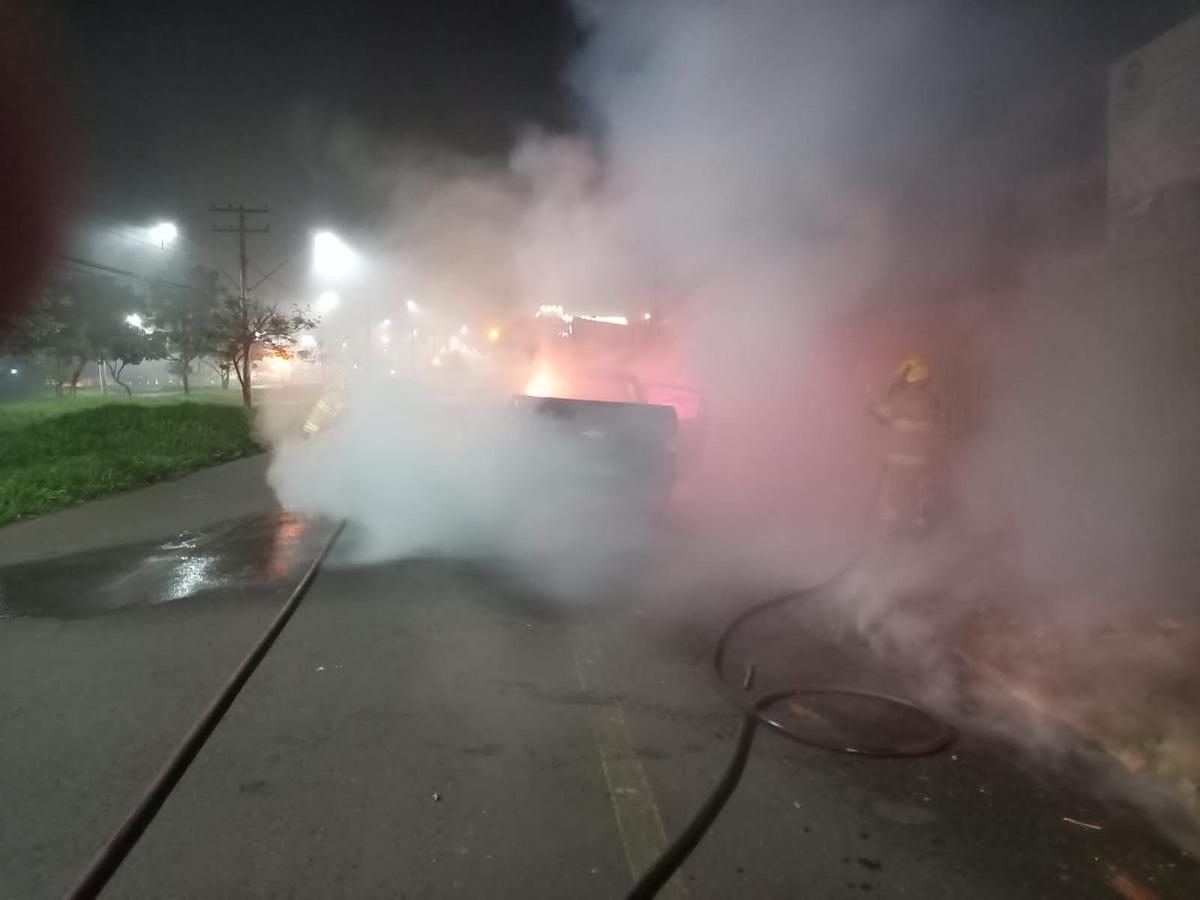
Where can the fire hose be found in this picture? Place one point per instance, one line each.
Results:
(938, 737)
(938, 734)
(113, 853)
(109, 857)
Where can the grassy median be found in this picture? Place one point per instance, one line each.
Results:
(56, 453)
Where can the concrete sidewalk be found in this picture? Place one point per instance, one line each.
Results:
(193, 501)
(117, 635)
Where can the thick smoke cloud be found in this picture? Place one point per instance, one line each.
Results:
(469, 478)
(770, 166)
(1086, 470)
(815, 191)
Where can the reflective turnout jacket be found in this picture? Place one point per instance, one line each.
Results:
(915, 430)
(326, 410)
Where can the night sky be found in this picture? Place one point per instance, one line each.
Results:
(175, 106)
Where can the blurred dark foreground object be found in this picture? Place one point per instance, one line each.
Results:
(32, 159)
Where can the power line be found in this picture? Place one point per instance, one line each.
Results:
(199, 255)
(241, 230)
(288, 292)
(128, 233)
(125, 273)
(244, 340)
(268, 275)
(212, 259)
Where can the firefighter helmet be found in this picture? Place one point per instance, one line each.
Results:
(914, 370)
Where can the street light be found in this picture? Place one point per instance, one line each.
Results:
(411, 305)
(164, 233)
(333, 259)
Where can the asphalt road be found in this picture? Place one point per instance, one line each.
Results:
(430, 729)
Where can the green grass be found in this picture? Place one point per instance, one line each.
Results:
(56, 453)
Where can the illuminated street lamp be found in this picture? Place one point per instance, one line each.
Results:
(134, 320)
(333, 259)
(164, 233)
(411, 305)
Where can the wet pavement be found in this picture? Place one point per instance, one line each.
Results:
(259, 551)
(203, 499)
(106, 658)
(429, 729)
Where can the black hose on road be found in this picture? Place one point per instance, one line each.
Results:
(109, 858)
(939, 737)
(114, 852)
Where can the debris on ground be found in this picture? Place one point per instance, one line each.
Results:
(1147, 725)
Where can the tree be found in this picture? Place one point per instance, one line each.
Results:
(117, 331)
(184, 317)
(124, 343)
(79, 319)
(51, 334)
(224, 368)
(244, 324)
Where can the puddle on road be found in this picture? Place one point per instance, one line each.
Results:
(257, 551)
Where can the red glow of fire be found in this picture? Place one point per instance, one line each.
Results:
(540, 385)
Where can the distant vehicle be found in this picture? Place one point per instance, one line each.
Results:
(590, 377)
(608, 359)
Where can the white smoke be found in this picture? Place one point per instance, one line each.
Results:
(472, 477)
(798, 179)
(1086, 468)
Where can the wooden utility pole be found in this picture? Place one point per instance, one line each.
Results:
(243, 370)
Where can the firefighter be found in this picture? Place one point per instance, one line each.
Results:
(326, 411)
(911, 491)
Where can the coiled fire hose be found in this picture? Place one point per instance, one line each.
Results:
(936, 737)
